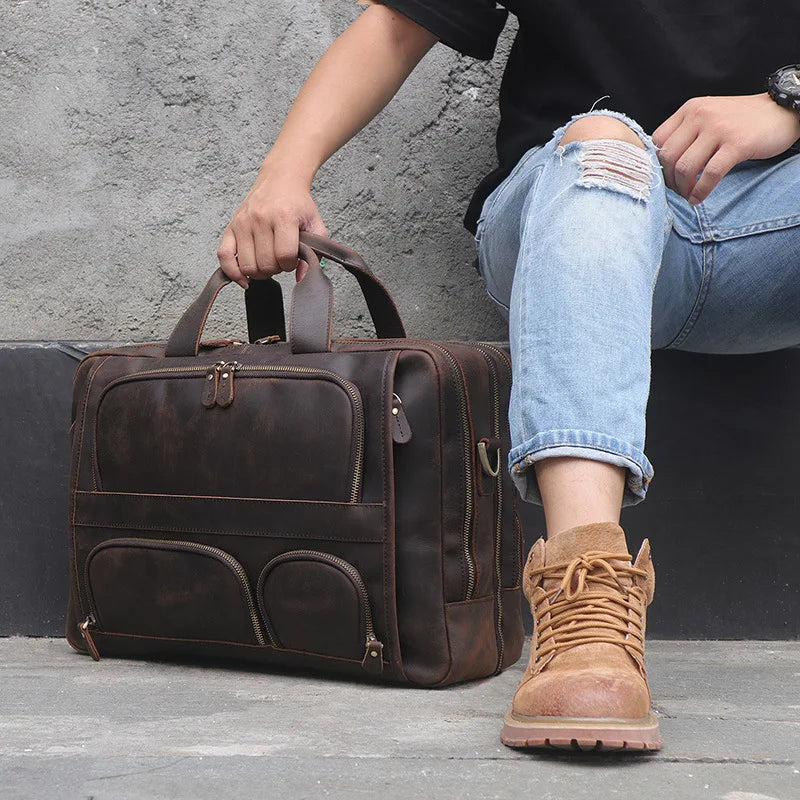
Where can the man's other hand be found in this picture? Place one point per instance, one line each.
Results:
(708, 136)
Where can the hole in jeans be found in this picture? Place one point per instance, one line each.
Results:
(619, 166)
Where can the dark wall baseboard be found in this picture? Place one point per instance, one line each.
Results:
(723, 513)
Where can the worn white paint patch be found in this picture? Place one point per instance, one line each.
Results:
(748, 796)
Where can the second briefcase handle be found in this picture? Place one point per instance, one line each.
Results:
(312, 307)
(265, 305)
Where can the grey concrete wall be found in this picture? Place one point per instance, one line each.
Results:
(130, 131)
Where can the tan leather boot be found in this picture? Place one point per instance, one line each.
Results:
(586, 685)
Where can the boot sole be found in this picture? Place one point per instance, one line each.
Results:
(563, 733)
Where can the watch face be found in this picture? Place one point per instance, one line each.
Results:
(789, 82)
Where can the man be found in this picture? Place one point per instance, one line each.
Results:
(597, 242)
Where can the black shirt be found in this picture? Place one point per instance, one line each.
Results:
(650, 56)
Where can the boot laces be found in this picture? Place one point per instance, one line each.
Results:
(595, 601)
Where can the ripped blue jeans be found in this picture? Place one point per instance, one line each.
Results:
(594, 262)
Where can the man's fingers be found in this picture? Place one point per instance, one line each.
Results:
(264, 252)
(667, 128)
(286, 244)
(692, 162)
(672, 150)
(226, 255)
(317, 226)
(246, 253)
(720, 164)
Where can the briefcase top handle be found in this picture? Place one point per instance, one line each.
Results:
(311, 316)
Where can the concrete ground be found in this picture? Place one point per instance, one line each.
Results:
(71, 728)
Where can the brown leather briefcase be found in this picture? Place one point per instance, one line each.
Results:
(297, 501)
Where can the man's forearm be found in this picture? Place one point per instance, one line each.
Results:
(356, 77)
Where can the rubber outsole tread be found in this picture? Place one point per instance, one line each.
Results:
(585, 745)
(561, 733)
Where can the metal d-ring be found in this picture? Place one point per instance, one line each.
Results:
(483, 455)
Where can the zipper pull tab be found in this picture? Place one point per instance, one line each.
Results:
(273, 337)
(373, 656)
(211, 385)
(401, 430)
(225, 390)
(86, 633)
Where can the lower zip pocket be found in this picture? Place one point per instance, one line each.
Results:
(169, 589)
(317, 603)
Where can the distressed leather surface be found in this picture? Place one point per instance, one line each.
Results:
(183, 494)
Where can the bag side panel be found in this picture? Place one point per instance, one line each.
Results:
(418, 519)
(84, 377)
(473, 622)
(511, 543)
(457, 453)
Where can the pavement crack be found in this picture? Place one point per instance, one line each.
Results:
(139, 771)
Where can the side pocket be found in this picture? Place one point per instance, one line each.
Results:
(473, 645)
(170, 589)
(317, 603)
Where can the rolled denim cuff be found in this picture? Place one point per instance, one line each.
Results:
(579, 444)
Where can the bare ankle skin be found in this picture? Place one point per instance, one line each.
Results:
(579, 491)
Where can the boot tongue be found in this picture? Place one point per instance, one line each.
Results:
(607, 537)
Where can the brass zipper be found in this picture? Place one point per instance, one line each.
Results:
(517, 525)
(469, 495)
(373, 648)
(91, 619)
(498, 547)
(469, 500)
(235, 366)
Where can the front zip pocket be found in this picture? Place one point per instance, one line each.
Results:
(317, 603)
(275, 432)
(169, 589)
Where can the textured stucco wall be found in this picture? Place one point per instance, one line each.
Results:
(131, 131)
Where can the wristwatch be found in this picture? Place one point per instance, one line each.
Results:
(784, 87)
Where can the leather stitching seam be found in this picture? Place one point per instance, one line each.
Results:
(220, 641)
(82, 433)
(391, 359)
(336, 503)
(134, 526)
(205, 316)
